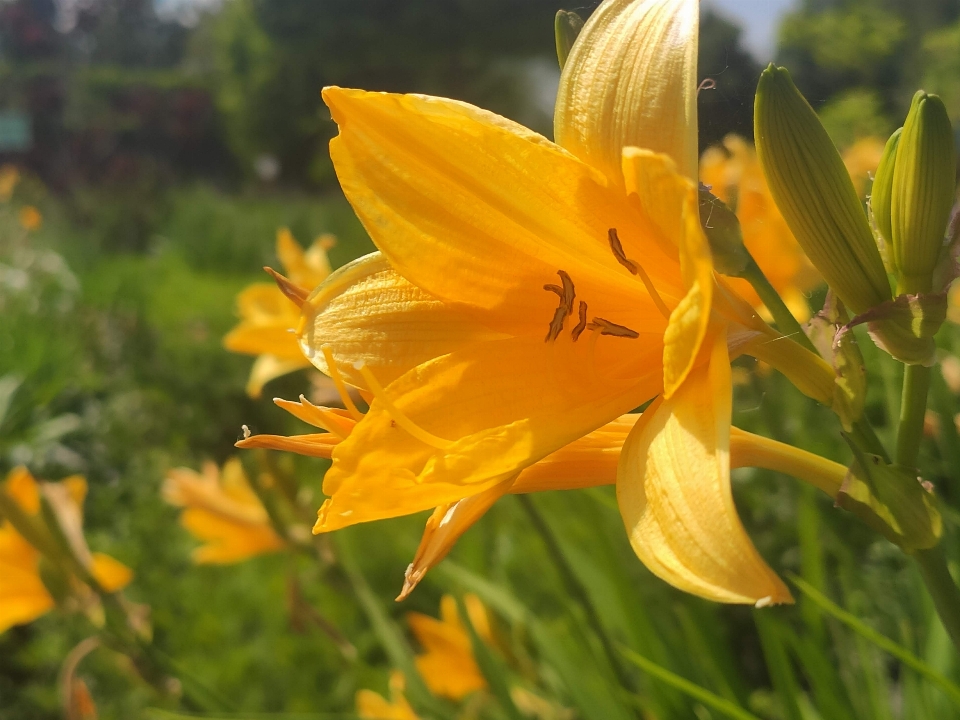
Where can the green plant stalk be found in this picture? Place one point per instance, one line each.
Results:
(786, 322)
(916, 383)
(943, 590)
(576, 590)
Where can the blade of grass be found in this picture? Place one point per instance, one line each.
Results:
(881, 641)
(704, 696)
(778, 664)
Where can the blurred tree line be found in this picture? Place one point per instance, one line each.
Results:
(123, 98)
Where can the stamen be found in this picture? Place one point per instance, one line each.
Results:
(637, 269)
(339, 384)
(608, 328)
(325, 418)
(398, 415)
(296, 294)
(567, 293)
(582, 325)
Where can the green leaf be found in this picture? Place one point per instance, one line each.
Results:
(778, 664)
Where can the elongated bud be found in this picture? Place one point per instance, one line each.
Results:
(722, 228)
(566, 26)
(810, 185)
(924, 182)
(882, 193)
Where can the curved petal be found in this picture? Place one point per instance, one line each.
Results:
(227, 541)
(670, 201)
(631, 79)
(673, 488)
(270, 367)
(479, 211)
(462, 423)
(23, 596)
(110, 573)
(367, 313)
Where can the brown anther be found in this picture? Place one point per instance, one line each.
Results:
(567, 293)
(608, 328)
(617, 247)
(582, 325)
(296, 294)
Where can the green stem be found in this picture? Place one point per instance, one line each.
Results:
(577, 590)
(786, 322)
(945, 594)
(916, 383)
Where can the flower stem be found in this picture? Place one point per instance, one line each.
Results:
(943, 590)
(916, 383)
(786, 322)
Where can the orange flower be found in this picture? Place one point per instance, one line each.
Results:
(267, 318)
(222, 511)
(30, 218)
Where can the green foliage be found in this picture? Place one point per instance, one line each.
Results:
(855, 114)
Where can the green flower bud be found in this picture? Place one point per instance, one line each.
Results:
(722, 228)
(924, 182)
(566, 27)
(881, 195)
(813, 191)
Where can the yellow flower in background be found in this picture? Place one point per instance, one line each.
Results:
(222, 511)
(23, 595)
(9, 177)
(447, 664)
(267, 318)
(373, 706)
(862, 160)
(524, 297)
(735, 177)
(30, 218)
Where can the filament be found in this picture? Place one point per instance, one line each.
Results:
(339, 384)
(398, 416)
(655, 296)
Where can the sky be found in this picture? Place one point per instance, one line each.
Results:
(759, 19)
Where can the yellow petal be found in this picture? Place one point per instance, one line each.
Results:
(111, 574)
(227, 541)
(187, 488)
(444, 528)
(23, 596)
(369, 314)
(306, 269)
(21, 486)
(673, 489)
(671, 203)
(447, 665)
(479, 211)
(631, 80)
(270, 367)
(483, 414)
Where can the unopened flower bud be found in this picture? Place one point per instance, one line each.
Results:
(813, 191)
(881, 195)
(566, 27)
(924, 182)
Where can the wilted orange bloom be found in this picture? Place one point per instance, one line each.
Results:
(862, 160)
(447, 663)
(734, 174)
(223, 511)
(267, 319)
(23, 595)
(30, 218)
(373, 706)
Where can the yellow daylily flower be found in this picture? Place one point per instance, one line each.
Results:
(735, 177)
(24, 597)
(524, 296)
(267, 318)
(447, 664)
(373, 706)
(223, 511)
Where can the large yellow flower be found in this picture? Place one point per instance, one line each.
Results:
(23, 595)
(373, 706)
(267, 318)
(222, 511)
(734, 175)
(527, 293)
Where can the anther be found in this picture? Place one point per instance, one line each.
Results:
(567, 293)
(398, 416)
(582, 325)
(340, 384)
(608, 328)
(637, 269)
(295, 294)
